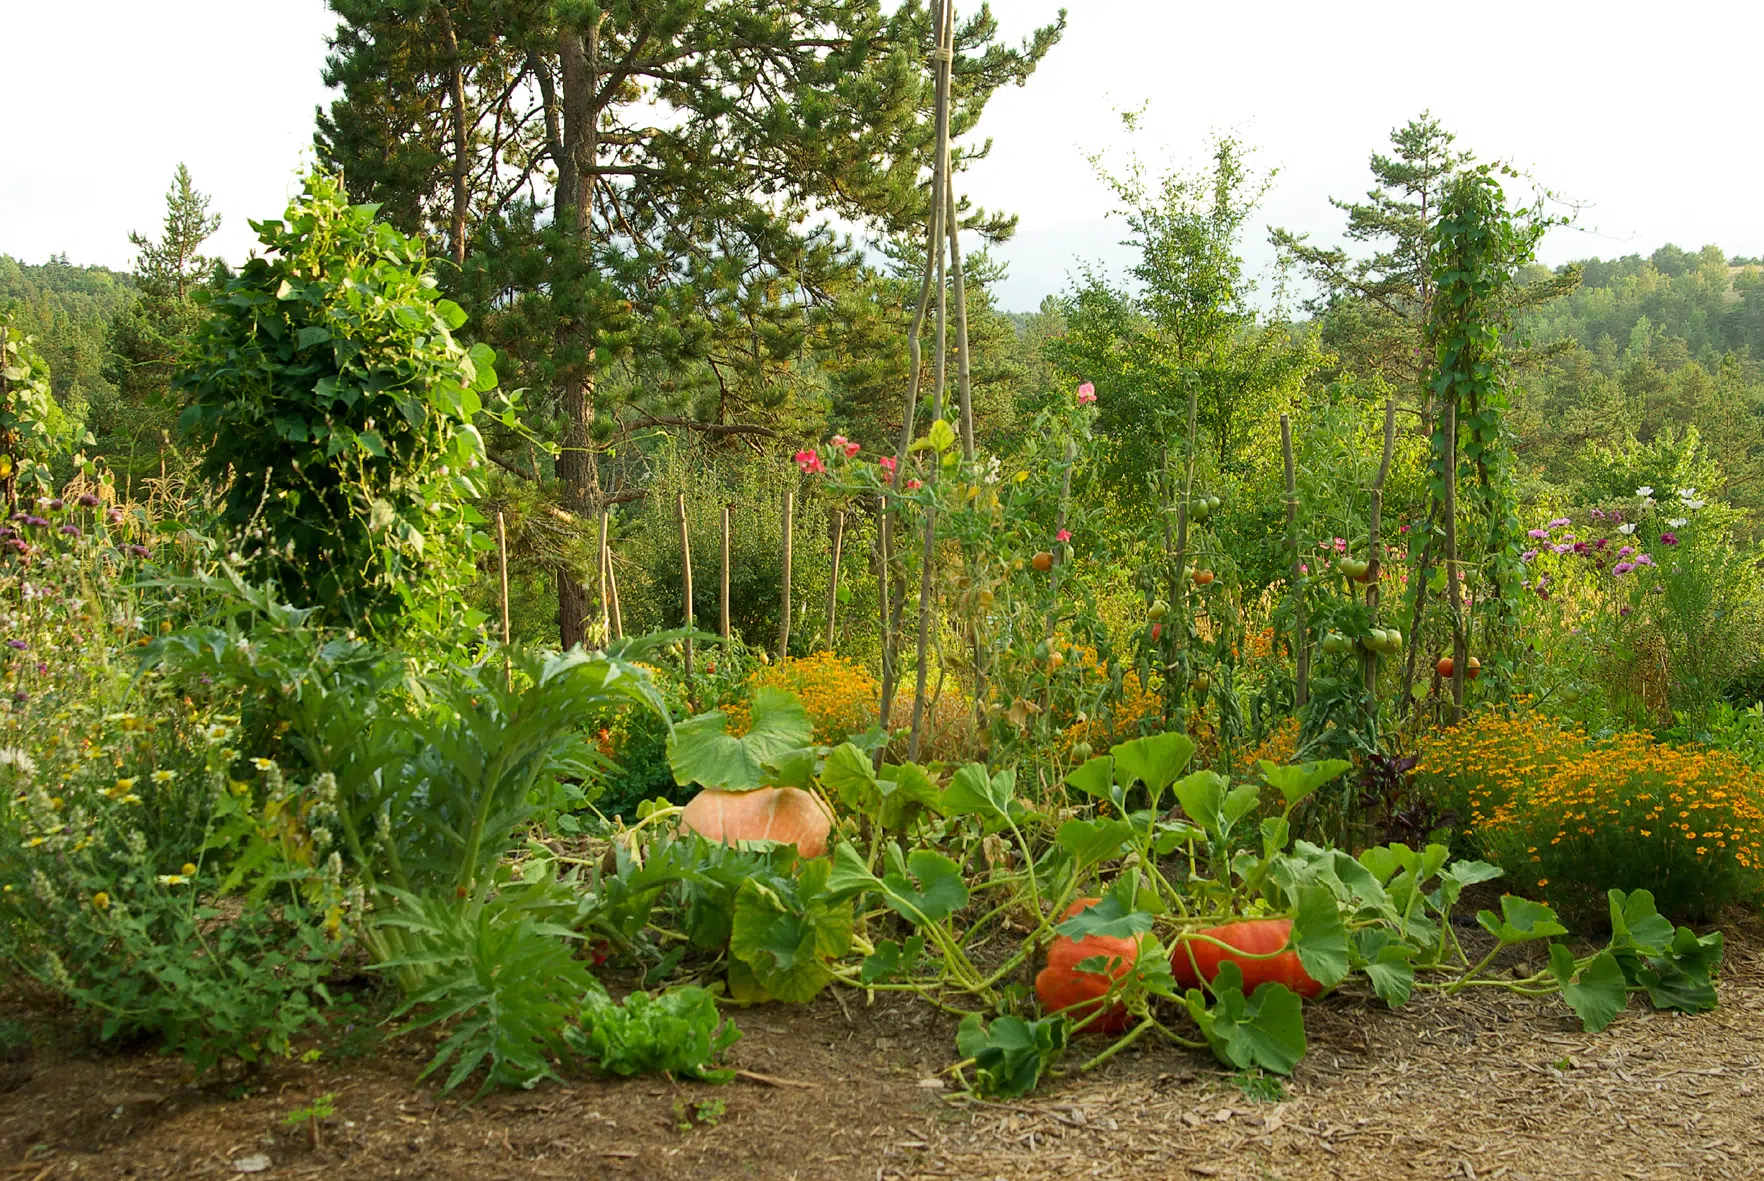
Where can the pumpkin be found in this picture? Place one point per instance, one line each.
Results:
(1257, 936)
(1062, 986)
(785, 814)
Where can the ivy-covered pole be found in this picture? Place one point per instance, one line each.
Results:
(833, 581)
(723, 590)
(1374, 524)
(784, 604)
(1301, 645)
(685, 583)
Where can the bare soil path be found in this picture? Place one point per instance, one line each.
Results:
(1493, 1086)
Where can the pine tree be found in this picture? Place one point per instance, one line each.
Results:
(637, 189)
(147, 339)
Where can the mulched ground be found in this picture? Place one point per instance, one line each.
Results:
(1478, 1087)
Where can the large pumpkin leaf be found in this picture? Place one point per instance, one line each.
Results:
(1094, 776)
(1296, 782)
(1011, 1056)
(1266, 1029)
(1319, 936)
(931, 888)
(1387, 963)
(1595, 992)
(1112, 917)
(972, 792)
(1636, 926)
(1520, 921)
(1093, 841)
(702, 751)
(786, 933)
(1155, 760)
(1683, 978)
(891, 959)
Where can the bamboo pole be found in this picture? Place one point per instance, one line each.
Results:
(502, 573)
(889, 643)
(605, 603)
(1301, 644)
(1369, 658)
(612, 586)
(833, 583)
(784, 607)
(964, 371)
(686, 585)
(723, 588)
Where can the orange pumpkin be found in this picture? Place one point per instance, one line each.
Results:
(1063, 986)
(785, 814)
(1259, 937)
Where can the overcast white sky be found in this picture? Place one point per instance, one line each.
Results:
(1647, 114)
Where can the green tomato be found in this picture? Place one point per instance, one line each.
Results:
(1157, 610)
(1213, 503)
(1198, 510)
(1081, 751)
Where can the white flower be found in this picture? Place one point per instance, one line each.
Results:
(1645, 490)
(11, 756)
(1678, 522)
(1626, 530)
(1686, 493)
(1694, 505)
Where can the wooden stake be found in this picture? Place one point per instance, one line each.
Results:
(833, 585)
(723, 596)
(502, 571)
(612, 586)
(686, 585)
(784, 606)
(605, 603)
(1301, 637)
(1185, 584)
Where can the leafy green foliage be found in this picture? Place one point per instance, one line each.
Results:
(1011, 1054)
(679, 1033)
(328, 389)
(785, 932)
(503, 979)
(1594, 990)
(1265, 1029)
(703, 752)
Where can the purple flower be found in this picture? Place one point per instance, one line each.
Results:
(1626, 551)
(42, 669)
(1582, 548)
(21, 515)
(1598, 515)
(55, 505)
(87, 500)
(37, 522)
(1560, 522)
(21, 696)
(114, 516)
(21, 645)
(1643, 560)
(71, 530)
(1668, 538)
(1543, 594)
(1625, 609)
(140, 551)
(1601, 543)
(1561, 548)
(1538, 534)
(1528, 555)
(1623, 567)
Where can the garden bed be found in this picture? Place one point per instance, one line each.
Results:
(1478, 1085)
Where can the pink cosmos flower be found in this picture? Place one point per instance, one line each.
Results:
(887, 464)
(810, 462)
(1063, 535)
(1622, 568)
(1537, 534)
(846, 445)
(913, 485)
(1086, 394)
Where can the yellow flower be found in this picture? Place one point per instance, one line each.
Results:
(263, 764)
(189, 869)
(164, 776)
(127, 784)
(101, 900)
(172, 879)
(35, 841)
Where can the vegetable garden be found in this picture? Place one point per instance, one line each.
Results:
(1111, 774)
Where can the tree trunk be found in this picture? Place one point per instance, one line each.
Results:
(456, 236)
(577, 471)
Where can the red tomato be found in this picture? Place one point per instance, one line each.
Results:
(1472, 669)
(1258, 936)
(1444, 668)
(1061, 985)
